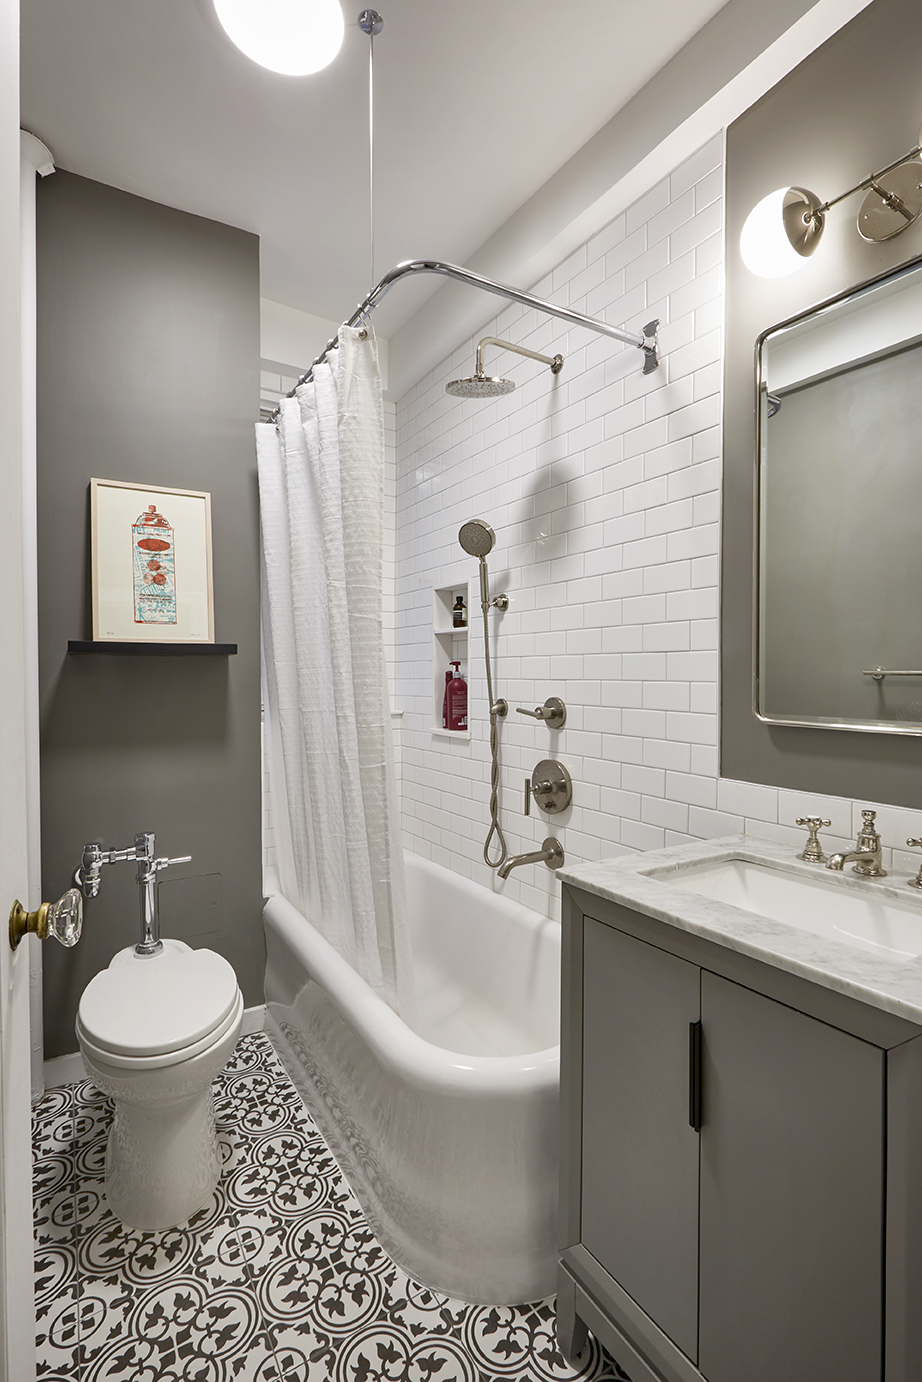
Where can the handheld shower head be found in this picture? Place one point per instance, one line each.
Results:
(477, 538)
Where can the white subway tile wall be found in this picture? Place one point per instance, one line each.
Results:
(603, 487)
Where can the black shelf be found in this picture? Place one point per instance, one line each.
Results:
(81, 645)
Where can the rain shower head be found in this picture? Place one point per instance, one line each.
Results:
(480, 385)
(477, 538)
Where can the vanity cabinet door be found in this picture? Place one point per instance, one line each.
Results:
(791, 1194)
(639, 1154)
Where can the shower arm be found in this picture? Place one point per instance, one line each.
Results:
(555, 361)
(645, 342)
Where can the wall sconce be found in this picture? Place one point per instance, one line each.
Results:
(784, 228)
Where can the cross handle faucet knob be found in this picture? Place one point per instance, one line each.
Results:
(917, 881)
(812, 851)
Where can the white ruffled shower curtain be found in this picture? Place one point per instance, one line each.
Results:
(331, 760)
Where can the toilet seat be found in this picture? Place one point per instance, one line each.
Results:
(148, 1012)
(160, 1060)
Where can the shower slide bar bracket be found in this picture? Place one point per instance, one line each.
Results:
(647, 341)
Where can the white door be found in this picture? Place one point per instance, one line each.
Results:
(17, 1311)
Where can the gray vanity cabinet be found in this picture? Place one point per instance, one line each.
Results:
(639, 1155)
(792, 1175)
(756, 1245)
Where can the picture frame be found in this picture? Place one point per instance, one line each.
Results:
(151, 563)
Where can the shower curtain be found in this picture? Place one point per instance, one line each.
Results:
(329, 745)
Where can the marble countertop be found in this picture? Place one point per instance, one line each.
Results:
(892, 984)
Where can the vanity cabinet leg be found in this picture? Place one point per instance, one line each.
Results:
(572, 1334)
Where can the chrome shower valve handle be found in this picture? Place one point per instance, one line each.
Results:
(553, 712)
(550, 785)
(812, 851)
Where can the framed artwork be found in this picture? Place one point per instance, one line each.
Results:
(151, 564)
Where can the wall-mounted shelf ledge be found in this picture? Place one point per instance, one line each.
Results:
(80, 645)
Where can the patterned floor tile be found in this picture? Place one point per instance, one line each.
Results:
(277, 1279)
(57, 1328)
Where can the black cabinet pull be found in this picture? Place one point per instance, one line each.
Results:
(694, 1075)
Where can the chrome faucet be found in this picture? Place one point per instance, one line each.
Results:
(550, 853)
(867, 854)
(143, 851)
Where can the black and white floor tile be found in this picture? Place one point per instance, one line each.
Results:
(277, 1279)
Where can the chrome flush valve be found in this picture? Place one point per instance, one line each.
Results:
(143, 852)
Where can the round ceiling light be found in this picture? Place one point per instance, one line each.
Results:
(294, 37)
(781, 232)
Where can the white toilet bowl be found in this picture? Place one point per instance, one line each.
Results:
(154, 1032)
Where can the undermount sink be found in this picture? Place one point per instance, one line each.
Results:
(827, 907)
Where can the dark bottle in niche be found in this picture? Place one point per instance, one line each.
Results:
(459, 613)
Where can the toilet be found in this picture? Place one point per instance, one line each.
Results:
(154, 1032)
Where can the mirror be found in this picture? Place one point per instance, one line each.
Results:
(839, 523)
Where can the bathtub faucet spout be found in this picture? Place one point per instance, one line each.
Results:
(550, 853)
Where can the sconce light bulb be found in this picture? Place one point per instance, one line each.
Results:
(294, 37)
(765, 241)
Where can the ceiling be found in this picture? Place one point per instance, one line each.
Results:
(476, 106)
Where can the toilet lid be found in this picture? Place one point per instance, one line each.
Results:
(145, 1006)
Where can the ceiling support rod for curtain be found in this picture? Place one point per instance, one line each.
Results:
(645, 342)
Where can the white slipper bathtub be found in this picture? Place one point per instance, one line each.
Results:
(447, 1133)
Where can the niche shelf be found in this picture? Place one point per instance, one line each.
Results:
(448, 645)
(132, 649)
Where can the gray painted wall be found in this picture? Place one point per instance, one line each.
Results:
(851, 107)
(148, 371)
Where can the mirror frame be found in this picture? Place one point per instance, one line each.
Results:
(861, 727)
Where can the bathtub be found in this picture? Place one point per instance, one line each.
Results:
(447, 1132)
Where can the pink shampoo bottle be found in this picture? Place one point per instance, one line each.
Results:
(457, 700)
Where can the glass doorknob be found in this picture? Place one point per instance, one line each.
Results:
(62, 919)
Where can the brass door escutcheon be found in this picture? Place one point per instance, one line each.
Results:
(62, 919)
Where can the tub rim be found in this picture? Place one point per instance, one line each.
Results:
(386, 1034)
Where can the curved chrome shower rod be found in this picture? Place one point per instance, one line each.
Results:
(645, 342)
